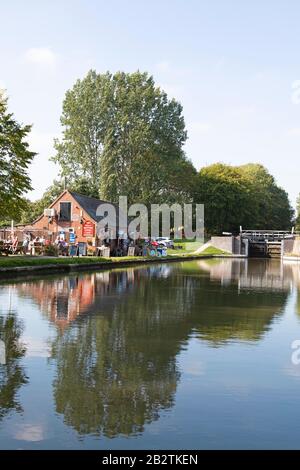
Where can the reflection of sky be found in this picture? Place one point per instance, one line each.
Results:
(243, 381)
(232, 394)
(29, 432)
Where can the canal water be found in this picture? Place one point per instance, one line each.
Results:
(193, 355)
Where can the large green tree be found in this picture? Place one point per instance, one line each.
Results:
(84, 117)
(125, 136)
(246, 196)
(15, 159)
(224, 191)
(270, 202)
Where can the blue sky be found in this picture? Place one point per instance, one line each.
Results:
(232, 64)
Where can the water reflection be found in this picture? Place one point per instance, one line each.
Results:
(119, 333)
(268, 275)
(241, 298)
(12, 374)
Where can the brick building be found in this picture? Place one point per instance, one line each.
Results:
(73, 217)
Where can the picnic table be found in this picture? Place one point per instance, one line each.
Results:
(8, 248)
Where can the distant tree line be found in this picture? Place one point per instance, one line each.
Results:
(244, 195)
(122, 135)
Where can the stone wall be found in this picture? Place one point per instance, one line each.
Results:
(231, 244)
(225, 243)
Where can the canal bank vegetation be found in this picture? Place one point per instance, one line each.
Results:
(28, 261)
(183, 246)
(189, 248)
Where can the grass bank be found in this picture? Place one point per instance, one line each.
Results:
(19, 261)
(182, 247)
(25, 264)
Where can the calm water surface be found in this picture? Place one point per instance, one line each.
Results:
(188, 355)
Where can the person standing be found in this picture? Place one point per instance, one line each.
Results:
(25, 244)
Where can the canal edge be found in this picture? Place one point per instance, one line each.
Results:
(69, 268)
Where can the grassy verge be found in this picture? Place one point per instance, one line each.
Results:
(211, 250)
(20, 261)
(185, 247)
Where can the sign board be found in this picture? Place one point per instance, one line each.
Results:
(88, 229)
(82, 249)
(62, 235)
(2, 352)
(72, 237)
(161, 251)
(73, 250)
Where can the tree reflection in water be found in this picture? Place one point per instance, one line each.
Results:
(116, 365)
(12, 375)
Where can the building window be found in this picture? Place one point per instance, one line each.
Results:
(65, 212)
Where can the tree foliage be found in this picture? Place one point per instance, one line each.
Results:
(128, 370)
(271, 202)
(15, 159)
(244, 195)
(125, 136)
(122, 135)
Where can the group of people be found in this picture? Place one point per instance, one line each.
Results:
(36, 245)
(62, 245)
(29, 243)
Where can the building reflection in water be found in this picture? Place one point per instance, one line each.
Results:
(120, 332)
(63, 300)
